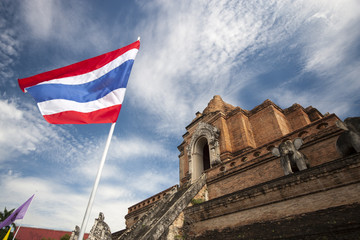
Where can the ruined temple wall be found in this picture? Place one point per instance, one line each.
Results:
(184, 170)
(183, 157)
(183, 167)
(258, 165)
(279, 210)
(320, 140)
(284, 125)
(241, 135)
(242, 130)
(246, 176)
(245, 141)
(225, 141)
(135, 212)
(268, 124)
(321, 152)
(329, 185)
(297, 117)
(130, 221)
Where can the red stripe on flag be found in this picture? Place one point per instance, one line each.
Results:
(105, 115)
(78, 68)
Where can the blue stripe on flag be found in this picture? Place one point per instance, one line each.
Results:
(117, 78)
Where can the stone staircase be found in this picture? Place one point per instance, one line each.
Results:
(158, 219)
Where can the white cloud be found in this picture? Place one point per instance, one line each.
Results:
(9, 44)
(149, 182)
(190, 50)
(134, 147)
(40, 16)
(328, 38)
(63, 190)
(25, 134)
(53, 205)
(65, 23)
(17, 136)
(60, 206)
(194, 50)
(335, 23)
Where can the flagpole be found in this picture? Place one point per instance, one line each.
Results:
(93, 192)
(17, 230)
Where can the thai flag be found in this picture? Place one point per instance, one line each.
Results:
(90, 91)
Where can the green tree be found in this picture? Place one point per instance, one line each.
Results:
(65, 237)
(3, 216)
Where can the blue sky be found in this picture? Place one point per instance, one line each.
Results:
(305, 52)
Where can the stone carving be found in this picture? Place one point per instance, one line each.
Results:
(100, 230)
(290, 157)
(211, 134)
(188, 150)
(349, 141)
(75, 233)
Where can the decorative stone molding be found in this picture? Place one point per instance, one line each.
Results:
(100, 230)
(75, 233)
(211, 133)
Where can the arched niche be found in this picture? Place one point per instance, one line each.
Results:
(203, 150)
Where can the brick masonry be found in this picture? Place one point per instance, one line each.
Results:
(333, 184)
(247, 135)
(341, 223)
(247, 194)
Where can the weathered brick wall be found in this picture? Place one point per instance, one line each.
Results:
(319, 152)
(341, 223)
(243, 177)
(242, 130)
(246, 140)
(248, 135)
(268, 124)
(248, 187)
(225, 141)
(258, 165)
(297, 117)
(138, 210)
(329, 185)
(241, 134)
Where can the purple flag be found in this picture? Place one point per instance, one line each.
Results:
(17, 214)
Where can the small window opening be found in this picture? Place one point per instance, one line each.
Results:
(206, 157)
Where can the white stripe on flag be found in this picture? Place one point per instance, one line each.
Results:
(93, 75)
(61, 105)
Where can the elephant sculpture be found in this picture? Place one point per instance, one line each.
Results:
(290, 158)
(349, 141)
